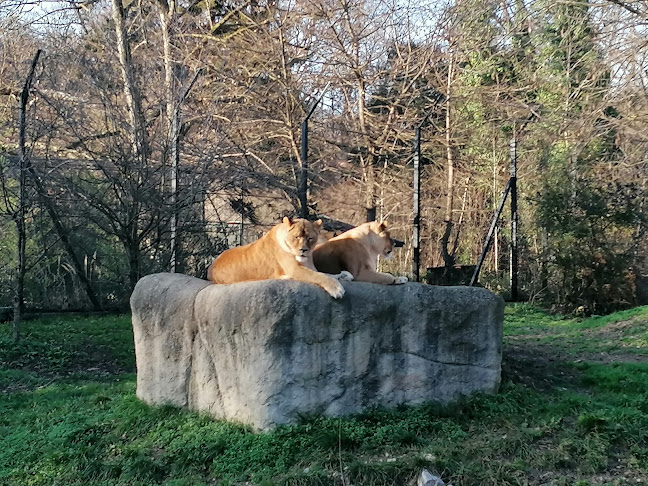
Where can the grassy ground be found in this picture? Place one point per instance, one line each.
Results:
(572, 410)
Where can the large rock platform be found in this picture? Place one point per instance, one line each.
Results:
(262, 353)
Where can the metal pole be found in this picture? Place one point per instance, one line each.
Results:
(416, 232)
(416, 237)
(303, 182)
(302, 190)
(514, 221)
(489, 236)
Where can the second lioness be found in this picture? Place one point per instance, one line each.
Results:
(355, 251)
(284, 252)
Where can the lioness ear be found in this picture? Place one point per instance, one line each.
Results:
(318, 223)
(287, 221)
(382, 227)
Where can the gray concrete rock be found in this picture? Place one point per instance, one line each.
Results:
(262, 353)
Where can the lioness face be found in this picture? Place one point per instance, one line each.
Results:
(301, 237)
(389, 244)
(386, 242)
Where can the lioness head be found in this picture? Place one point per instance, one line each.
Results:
(298, 237)
(383, 243)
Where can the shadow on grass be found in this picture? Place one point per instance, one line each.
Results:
(62, 349)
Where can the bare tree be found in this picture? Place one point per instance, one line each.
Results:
(19, 217)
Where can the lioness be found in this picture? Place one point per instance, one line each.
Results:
(356, 251)
(284, 252)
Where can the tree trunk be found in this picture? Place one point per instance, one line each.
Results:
(370, 184)
(138, 135)
(139, 138)
(167, 12)
(455, 245)
(19, 296)
(366, 161)
(544, 233)
(133, 252)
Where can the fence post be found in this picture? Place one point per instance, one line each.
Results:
(416, 237)
(303, 182)
(302, 189)
(514, 221)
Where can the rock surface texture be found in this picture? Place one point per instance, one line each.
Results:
(262, 353)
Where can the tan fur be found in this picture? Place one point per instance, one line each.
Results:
(284, 252)
(355, 251)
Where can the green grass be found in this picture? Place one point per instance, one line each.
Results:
(69, 416)
(625, 331)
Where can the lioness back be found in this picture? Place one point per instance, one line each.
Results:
(337, 256)
(255, 261)
(356, 251)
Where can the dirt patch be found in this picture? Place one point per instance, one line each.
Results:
(48, 366)
(100, 359)
(619, 332)
(538, 367)
(542, 365)
(612, 339)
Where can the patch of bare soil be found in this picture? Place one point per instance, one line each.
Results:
(615, 332)
(94, 362)
(538, 367)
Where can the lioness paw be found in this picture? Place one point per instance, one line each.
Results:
(335, 289)
(400, 280)
(344, 276)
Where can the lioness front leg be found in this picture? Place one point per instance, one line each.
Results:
(343, 276)
(332, 286)
(379, 278)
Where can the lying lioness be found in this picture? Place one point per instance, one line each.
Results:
(355, 251)
(284, 252)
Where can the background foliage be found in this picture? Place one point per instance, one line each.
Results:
(568, 80)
